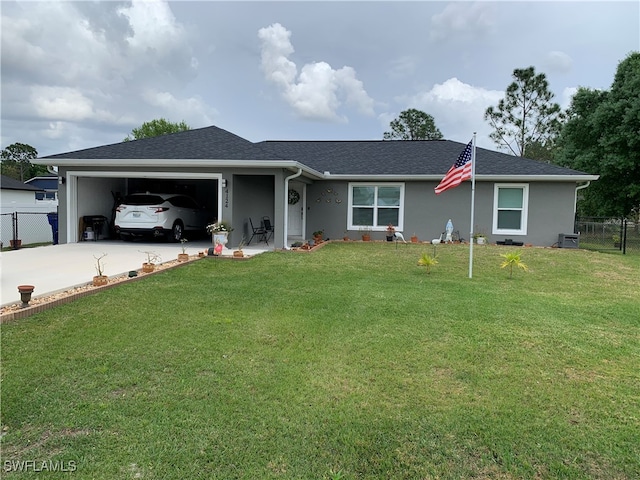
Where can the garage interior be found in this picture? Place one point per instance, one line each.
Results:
(98, 196)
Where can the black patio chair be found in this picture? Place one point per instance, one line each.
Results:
(259, 231)
(268, 228)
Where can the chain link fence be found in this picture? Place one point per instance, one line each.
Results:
(19, 229)
(609, 234)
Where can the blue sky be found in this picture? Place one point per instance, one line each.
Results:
(83, 74)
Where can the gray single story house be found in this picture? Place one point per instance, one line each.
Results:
(340, 187)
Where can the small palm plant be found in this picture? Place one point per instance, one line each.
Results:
(428, 261)
(513, 259)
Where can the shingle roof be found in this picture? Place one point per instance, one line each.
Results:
(200, 143)
(9, 183)
(376, 157)
(396, 157)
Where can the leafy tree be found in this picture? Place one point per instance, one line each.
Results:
(155, 128)
(413, 124)
(544, 152)
(601, 137)
(526, 116)
(16, 162)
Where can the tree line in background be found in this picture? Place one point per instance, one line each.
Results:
(598, 134)
(16, 162)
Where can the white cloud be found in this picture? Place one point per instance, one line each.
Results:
(567, 96)
(55, 130)
(558, 62)
(354, 90)
(61, 103)
(153, 25)
(179, 109)
(94, 62)
(458, 109)
(22, 53)
(319, 90)
(403, 67)
(463, 20)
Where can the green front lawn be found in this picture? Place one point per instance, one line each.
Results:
(349, 362)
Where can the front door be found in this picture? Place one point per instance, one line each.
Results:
(295, 211)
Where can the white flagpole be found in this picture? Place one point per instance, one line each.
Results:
(473, 197)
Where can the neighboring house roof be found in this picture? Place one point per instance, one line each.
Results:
(8, 183)
(213, 146)
(45, 182)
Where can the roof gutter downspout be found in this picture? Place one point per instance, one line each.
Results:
(285, 220)
(575, 199)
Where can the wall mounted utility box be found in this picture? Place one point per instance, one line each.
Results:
(568, 240)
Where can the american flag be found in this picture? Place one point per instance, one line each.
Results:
(458, 173)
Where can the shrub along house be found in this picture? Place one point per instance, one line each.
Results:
(340, 187)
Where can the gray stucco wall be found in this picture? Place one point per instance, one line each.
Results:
(257, 192)
(253, 198)
(62, 211)
(326, 209)
(550, 211)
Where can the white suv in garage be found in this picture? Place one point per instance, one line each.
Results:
(160, 214)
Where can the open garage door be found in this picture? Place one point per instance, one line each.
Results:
(96, 194)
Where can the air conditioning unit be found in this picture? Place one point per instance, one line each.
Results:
(568, 240)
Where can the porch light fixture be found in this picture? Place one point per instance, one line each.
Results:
(224, 183)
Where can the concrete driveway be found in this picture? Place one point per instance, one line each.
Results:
(57, 268)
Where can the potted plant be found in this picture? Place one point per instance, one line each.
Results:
(100, 278)
(150, 265)
(391, 231)
(25, 294)
(317, 236)
(184, 256)
(616, 240)
(366, 233)
(414, 238)
(220, 232)
(479, 236)
(345, 237)
(238, 253)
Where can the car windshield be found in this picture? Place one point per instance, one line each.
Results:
(143, 200)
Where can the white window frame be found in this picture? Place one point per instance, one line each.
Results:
(376, 228)
(45, 199)
(524, 210)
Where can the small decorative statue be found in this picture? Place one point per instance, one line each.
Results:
(449, 230)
